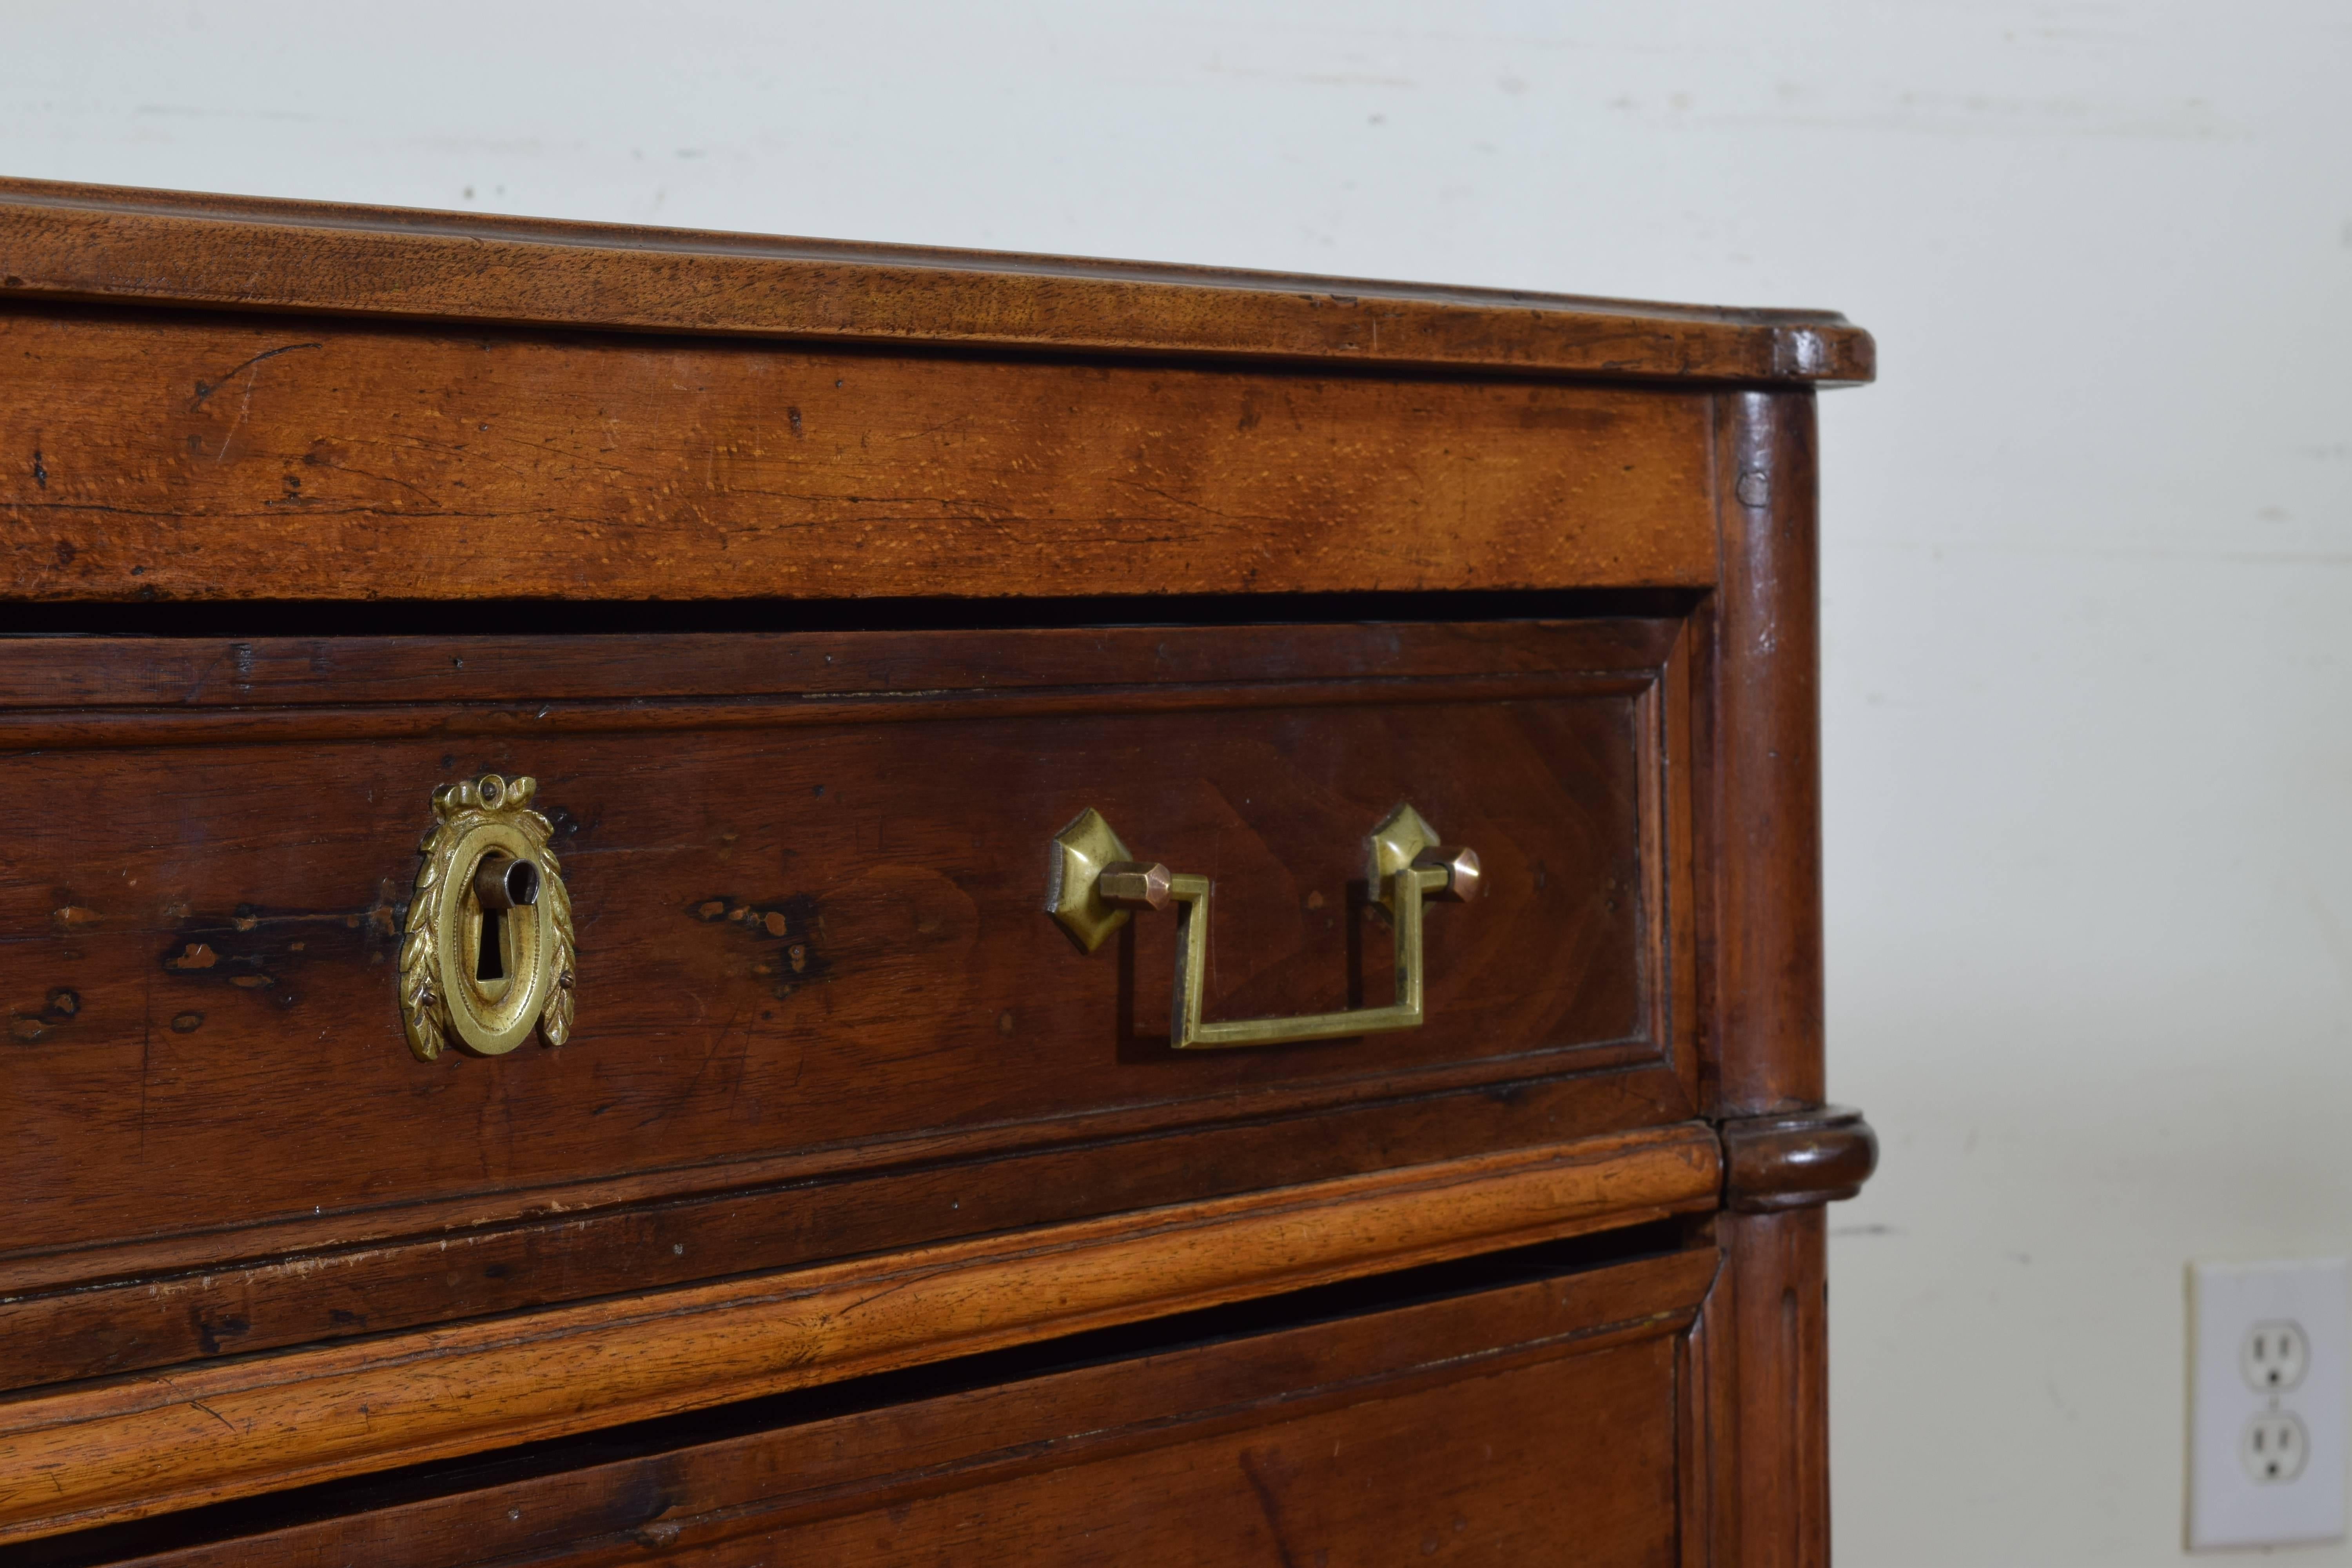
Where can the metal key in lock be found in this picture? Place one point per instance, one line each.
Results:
(487, 955)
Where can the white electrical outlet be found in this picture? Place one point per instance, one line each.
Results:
(2267, 1412)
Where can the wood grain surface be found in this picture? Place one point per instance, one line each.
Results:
(159, 455)
(471, 665)
(1763, 761)
(796, 1466)
(89, 242)
(105, 1311)
(1796, 1160)
(798, 1462)
(142, 1445)
(1758, 1472)
(841, 1100)
(1566, 1459)
(812, 946)
(1760, 1488)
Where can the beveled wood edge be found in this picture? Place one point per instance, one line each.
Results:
(1796, 1160)
(707, 1493)
(146, 1445)
(233, 1306)
(89, 728)
(66, 242)
(1638, 1069)
(210, 672)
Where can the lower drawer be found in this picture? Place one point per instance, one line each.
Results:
(1519, 1408)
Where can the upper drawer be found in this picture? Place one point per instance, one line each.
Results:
(166, 457)
(821, 1008)
(225, 398)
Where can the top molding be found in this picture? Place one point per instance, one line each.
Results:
(99, 244)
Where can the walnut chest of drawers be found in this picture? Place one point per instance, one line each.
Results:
(606, 930)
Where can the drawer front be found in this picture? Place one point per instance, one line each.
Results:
(1565, 1461)
(812, 947)
(236, 457)
(1524, 1408)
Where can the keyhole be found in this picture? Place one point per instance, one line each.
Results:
(490, 963)
(501, 882)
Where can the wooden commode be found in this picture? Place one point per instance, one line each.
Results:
(682, 898)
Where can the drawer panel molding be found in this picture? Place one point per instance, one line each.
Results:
(151, 1444)
(810, 954)
(798, 1463)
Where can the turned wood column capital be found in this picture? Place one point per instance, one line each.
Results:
(1795, 1159)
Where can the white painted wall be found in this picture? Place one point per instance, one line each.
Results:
(2089, 544)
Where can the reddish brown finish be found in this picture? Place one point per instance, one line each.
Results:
(91, 242)
(1798, 1160)
(799, 957)
(147, 1311)
(1765, 760)
(226, 458)
(189, 672)
(739, 1489)
(875, 1099)
(1760, 1382)
(1760, 1389)
(122, 1450)
(1492, 1468)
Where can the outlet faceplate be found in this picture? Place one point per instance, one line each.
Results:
(2267, 1412)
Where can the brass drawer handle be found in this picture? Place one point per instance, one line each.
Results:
(487, 954)
(1097, 884)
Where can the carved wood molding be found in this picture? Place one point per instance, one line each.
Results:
(113, 245)
(1797, 1159)
(144, 1445)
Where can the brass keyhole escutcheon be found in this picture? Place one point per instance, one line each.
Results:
(487, 955)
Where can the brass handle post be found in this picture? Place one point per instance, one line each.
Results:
(1096, 885)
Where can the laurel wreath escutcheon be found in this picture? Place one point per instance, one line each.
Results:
(424, 1011)
(461, 809)
(555, 1019)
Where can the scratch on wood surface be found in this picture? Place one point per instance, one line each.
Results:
(204, 389)
(1267, 1505)
(214, 1414)
(245, 406)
